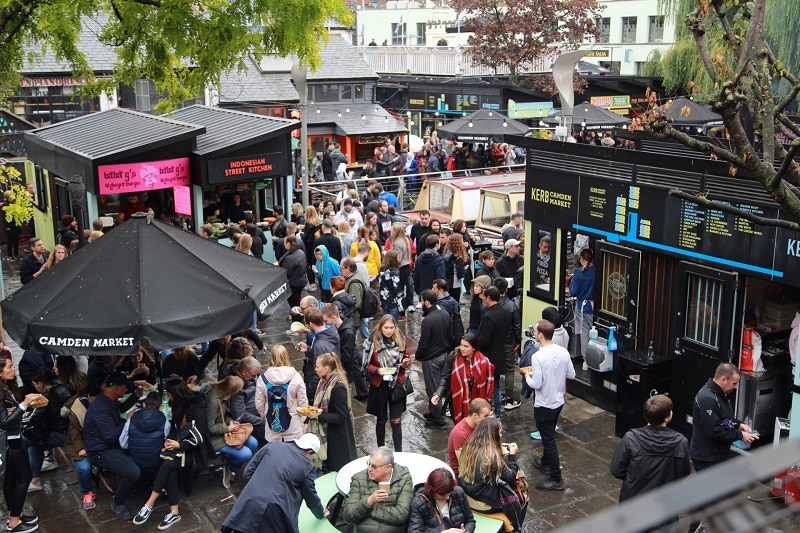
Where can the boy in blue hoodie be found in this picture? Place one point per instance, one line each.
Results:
(325, 268)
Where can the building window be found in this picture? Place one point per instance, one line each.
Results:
(628, 29)
(346, 94)
(703, 303)
(144, 90)
(398, 34)
(328, 92)
(421, 33)
(656, 29)
(604, 27)
(358, 92)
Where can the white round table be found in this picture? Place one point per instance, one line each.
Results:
(419, 466)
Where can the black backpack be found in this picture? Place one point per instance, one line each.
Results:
(370, 303)
(278, 415)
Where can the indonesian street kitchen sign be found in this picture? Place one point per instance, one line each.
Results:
(147, 176)
(246, 168)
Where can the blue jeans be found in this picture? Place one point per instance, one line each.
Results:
(546, 420)
(118, 463)
(36, 452)
(394, 311)
(240, 456)
(498, 399)
(364, 328)
(84, 470)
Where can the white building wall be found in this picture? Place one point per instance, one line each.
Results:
(374, 23)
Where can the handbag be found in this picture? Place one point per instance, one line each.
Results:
(236, 439)
(398, 300)
(400, 390)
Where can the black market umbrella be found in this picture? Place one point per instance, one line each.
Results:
(481, 126)
(684, 112)
(594, 118)
(140, 280)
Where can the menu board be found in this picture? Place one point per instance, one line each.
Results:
(603, 205)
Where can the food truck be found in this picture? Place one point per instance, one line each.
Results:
(685, 287)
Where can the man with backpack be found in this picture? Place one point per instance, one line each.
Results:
(433, 347)
(367, 301)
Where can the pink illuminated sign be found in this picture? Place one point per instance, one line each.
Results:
(148, 176)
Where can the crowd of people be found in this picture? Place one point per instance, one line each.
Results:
(355, 273)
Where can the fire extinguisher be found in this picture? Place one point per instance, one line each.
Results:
(777, 486)
(746, 359)
(791, 487)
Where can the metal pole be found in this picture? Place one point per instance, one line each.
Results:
(300, 73)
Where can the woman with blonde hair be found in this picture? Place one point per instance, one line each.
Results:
(58, 254)
(387, 348)
(245, 243)
(218, 415)
(455, 259)
(402, 245)
(344, 234)
(310, 234)
(373, 260)
(333, 420)
(281, 373)
(488, 472)
(297, 214)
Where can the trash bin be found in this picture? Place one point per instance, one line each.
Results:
(638, 379)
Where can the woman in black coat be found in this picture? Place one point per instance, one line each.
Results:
(18, 470)
(333, 421)
(440, 506)
(294, 261)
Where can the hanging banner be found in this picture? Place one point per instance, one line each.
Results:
(183, 200)
(147, 176)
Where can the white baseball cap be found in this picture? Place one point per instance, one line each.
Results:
(308, 441)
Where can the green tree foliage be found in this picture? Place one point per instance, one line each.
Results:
(652, 67)
(515, 33)
(182, 45)
(18, 207)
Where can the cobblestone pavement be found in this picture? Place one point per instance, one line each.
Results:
(586, 443)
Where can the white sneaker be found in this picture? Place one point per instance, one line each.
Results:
(226, 477)
(48, 465)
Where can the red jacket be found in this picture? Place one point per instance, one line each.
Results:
(373, 366)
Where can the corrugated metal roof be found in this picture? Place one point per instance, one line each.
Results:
(376, 119)
(101, 57)
(226, 128)
(112, 133)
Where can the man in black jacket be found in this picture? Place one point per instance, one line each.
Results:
(714, 428)
(513, 338)
(433, 346)
(332, 243)
(492, 331)
(326, 339)
(650, 457)
(428, 267)
(508, 265)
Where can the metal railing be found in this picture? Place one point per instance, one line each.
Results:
(437, 60)
(408, 188)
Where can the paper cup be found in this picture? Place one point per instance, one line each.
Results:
(387, 377)
(384, 486)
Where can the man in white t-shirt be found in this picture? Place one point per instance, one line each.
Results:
(551, 367)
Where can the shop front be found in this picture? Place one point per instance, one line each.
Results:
(240, 154)
(114, 153)
(683, 287)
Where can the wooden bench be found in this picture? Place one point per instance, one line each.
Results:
(326, 490)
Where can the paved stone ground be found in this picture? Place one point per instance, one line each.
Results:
(586, 443)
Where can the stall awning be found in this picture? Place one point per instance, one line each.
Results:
(118, 135)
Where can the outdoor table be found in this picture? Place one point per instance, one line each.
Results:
(419, 466)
